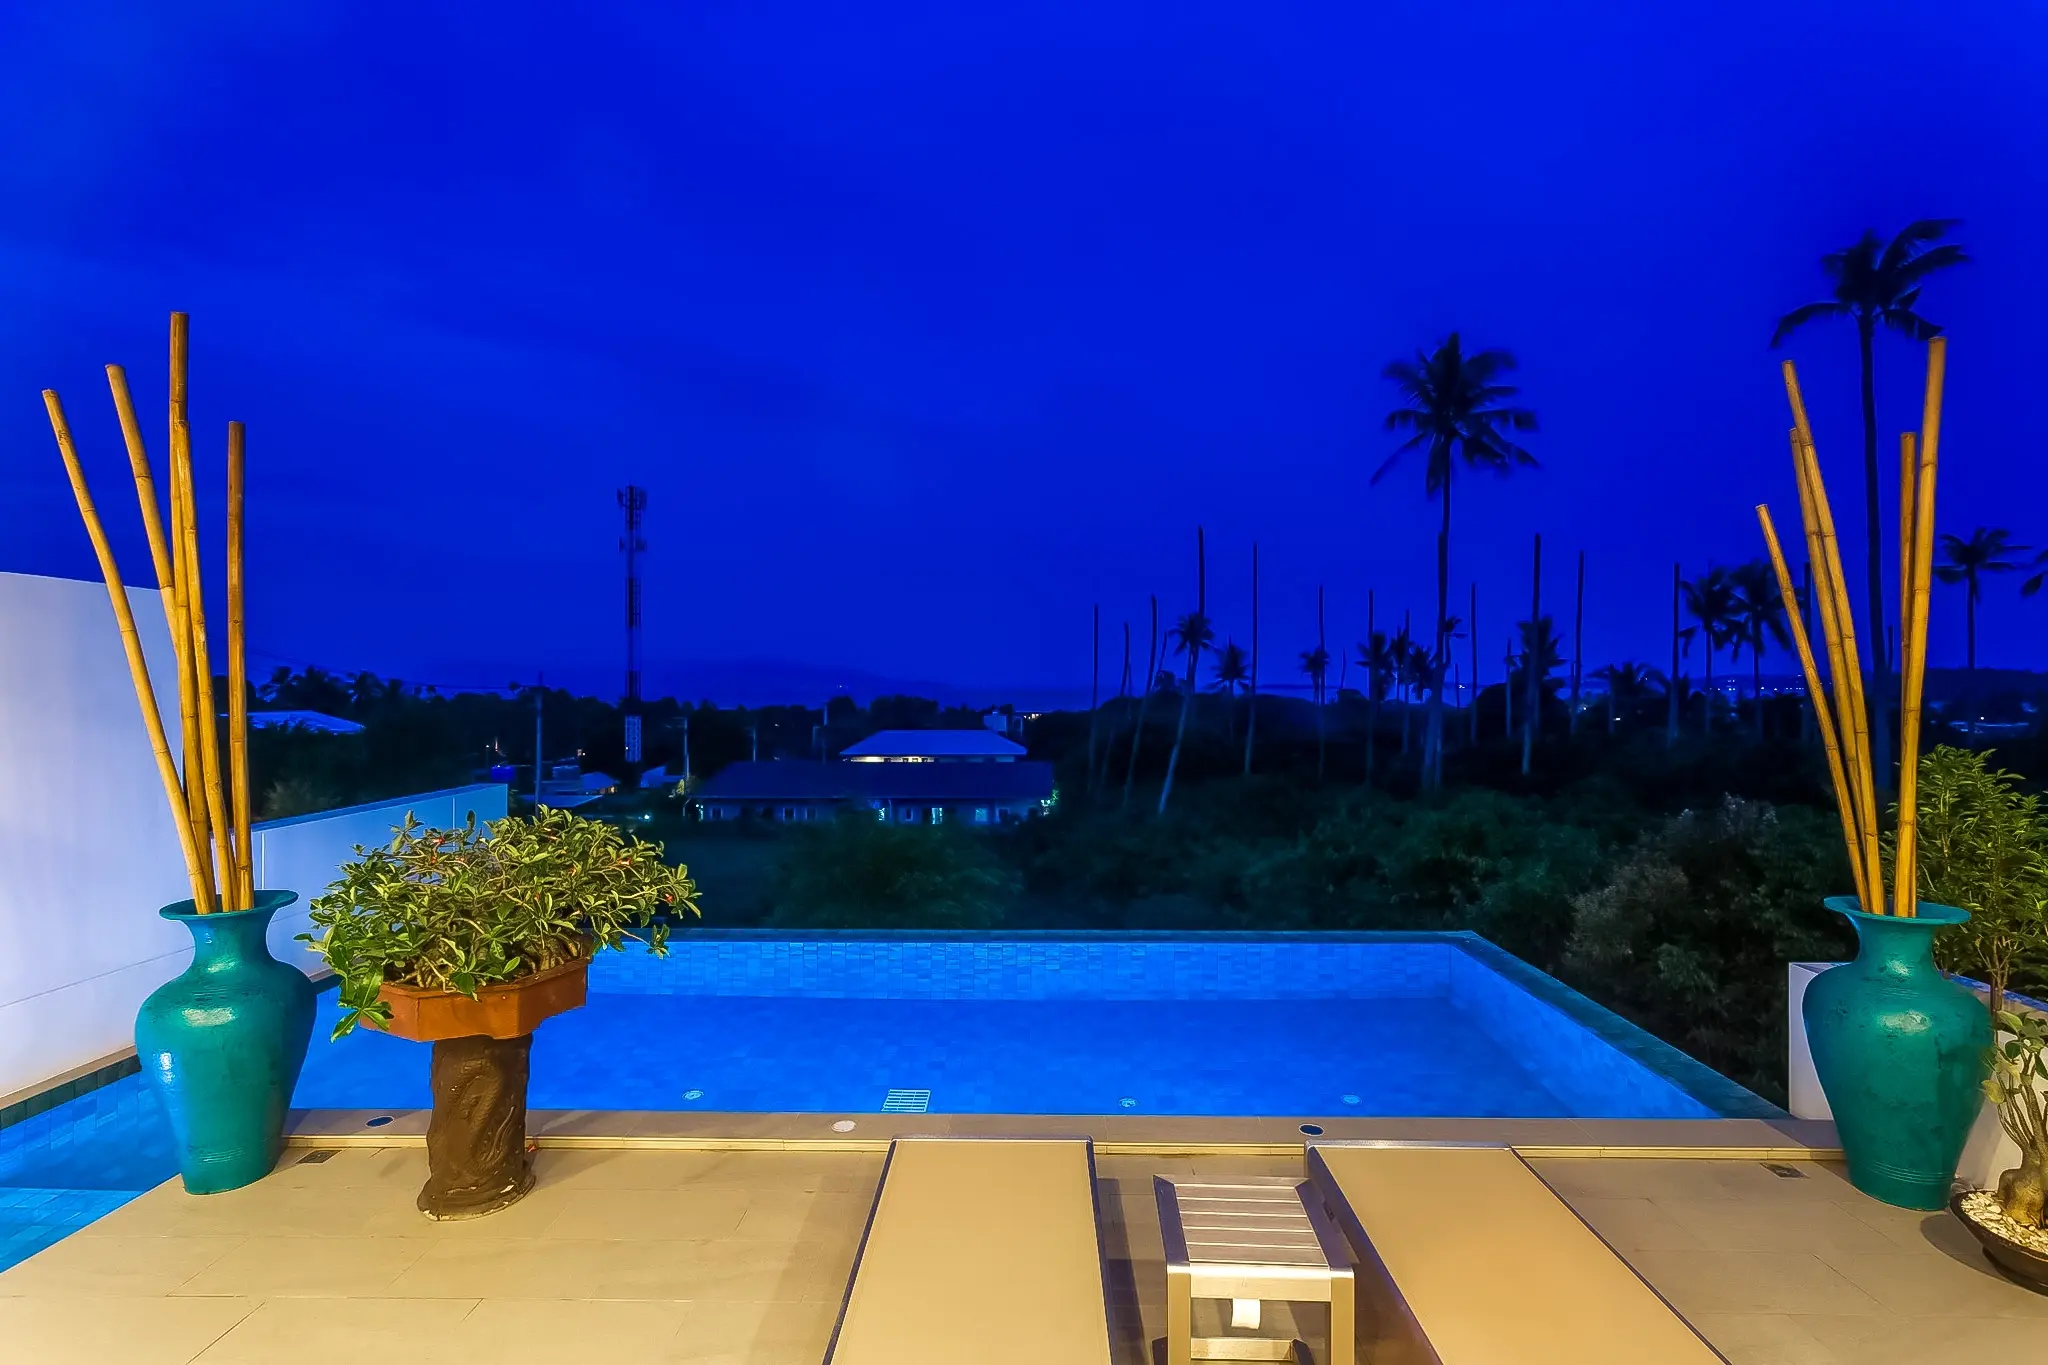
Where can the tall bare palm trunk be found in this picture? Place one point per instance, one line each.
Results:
(1251, 719)
(1194, 648)
(1144, 702)
(1439, 658)
(1372, 690)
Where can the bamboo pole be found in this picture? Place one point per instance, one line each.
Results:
(131, 645)
(1849, 696)
(1849, 684)
(145, 483)
(168, 578)
(238, 674)
(203, 702)
(221, 859)
(1837, 624)
(1908, 463)
(1913, 634)
(1822, 719)
(181, 628)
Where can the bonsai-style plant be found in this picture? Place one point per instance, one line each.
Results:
(1984, 848)
(2015, 1086)
(469, 939)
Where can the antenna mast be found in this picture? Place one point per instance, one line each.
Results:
(633, 500)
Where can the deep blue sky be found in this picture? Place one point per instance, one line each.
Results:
(928, 327)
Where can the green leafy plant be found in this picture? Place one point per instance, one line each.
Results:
(461, 909)
(1690, 935)
(2015, 1086)
(1984, 849)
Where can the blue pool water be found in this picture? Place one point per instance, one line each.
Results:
(1422, 1026)
(1311, 1026)
(69, 1165)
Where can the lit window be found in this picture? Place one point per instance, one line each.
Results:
(981, 815)
(938, 815)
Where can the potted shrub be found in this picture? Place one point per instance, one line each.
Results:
(469, 939)
(2008, 1222)
(1984, 847)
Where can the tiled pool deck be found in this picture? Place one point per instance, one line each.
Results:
(739, 1257)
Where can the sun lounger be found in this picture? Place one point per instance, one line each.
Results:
(1488, 1266)
(979, 1251)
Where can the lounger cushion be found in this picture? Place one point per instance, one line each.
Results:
(1494, 1267)
(980, 1252)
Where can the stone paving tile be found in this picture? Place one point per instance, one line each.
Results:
(741, 1258)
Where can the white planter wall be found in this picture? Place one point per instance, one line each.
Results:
(1989, 1151)
(87, 848)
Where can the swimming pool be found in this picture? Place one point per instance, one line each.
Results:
(1306, 1025)
(1412, 1025)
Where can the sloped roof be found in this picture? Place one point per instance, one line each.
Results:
(803, 780)
(305, 720)
(983, 743)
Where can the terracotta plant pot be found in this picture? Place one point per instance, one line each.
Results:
(477, 1162)
(512, 1010)
(2020, 1264)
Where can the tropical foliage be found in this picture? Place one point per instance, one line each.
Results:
(1984, 849)
(861, 873)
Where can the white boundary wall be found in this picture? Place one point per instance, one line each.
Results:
(1989, 1150)
(87, 848)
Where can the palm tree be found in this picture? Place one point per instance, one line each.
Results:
(1404, 648)
(1967, 561)
(1233, 673)
(1628, 685)
(1457, 409)
(1540, 644)
(1759, 620)
(1316, 664)
(1376, 656)
(1710, 600)
(1875, 283)
(1190, 635)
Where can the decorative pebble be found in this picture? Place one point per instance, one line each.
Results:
(1985, 1210)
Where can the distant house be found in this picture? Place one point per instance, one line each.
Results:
(933, 746)
(918, 789)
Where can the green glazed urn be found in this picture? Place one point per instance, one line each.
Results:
(1900, 1051)
(223, 1042)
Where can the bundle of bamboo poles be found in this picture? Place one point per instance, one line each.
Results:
(209, 801)
(1842, 715)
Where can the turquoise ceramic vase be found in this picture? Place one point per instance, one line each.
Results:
(223, 1043)
(1899, 1049)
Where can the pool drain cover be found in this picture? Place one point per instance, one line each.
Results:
(906, 1101)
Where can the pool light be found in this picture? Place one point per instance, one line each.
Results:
(693, 1094)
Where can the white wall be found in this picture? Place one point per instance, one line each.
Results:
(87, 848)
